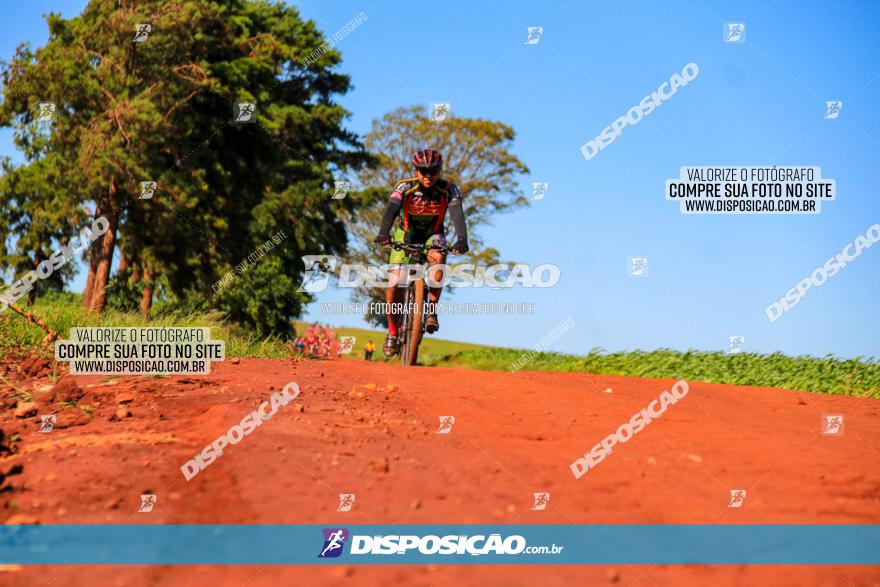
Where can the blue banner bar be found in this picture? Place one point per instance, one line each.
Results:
(440, 544)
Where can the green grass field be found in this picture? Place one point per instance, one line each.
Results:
(856, 377)
(824, 375)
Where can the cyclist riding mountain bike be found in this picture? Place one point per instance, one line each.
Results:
(424, 201)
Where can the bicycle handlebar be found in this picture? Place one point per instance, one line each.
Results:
(411, 248)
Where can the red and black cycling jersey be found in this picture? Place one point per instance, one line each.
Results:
(424, 209)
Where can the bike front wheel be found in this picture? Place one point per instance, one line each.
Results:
(416, 299)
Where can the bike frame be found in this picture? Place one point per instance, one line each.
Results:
(412, 326)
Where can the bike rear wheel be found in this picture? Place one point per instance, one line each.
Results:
(415, 309)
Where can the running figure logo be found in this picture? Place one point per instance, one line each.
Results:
(346, 344)
(534, 35)
(346, 501)
(147, 503)
(141, 32)
(148, 188)
(832, 109)
(734, 32)
(47, 423)
(334, 540)
(446, 423)
(737, 497)
(735, 344)
(440, 110)
(541, 500)
(244, 112)
(45, 111)
(539, 189)
(318, 268)
(341, 189)
(833, 425)
(638, 266)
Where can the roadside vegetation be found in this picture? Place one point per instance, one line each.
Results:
(62, 311)
(854, 377)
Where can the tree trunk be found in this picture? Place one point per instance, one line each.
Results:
(147, 294)
(103, 255)
(95, 297)
(90, 282)
(32, 294)
(123, 263)
(90, 279)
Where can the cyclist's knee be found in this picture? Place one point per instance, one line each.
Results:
(393, 279)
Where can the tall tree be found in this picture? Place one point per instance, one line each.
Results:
(477, 156)
(160, 109)
(30, 229)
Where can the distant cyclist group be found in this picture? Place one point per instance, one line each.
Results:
(318, 341)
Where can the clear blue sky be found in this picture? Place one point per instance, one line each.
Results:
(757, 103)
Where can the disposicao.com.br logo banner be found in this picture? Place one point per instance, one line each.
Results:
(550, 544)
(429, 544)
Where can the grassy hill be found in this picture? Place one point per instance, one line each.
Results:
(856, 377)
(825, 375)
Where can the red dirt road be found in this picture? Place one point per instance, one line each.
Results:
(514, 435)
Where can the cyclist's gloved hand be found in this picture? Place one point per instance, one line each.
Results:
(383, 238)
(460, 246)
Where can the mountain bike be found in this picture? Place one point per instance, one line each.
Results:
(412, 326)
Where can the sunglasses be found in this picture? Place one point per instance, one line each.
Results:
(428, 170)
